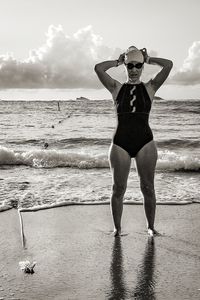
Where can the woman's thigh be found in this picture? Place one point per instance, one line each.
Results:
(146, 161)
(120, 162)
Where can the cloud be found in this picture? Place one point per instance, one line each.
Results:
(62, 62)
(189, 73)
(68, 62)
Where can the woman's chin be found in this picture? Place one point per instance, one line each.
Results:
(134, 78)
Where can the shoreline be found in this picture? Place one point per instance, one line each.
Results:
(70, 203)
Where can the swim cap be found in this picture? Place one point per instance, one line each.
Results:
(133, 54)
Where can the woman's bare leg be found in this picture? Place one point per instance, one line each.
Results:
(146, 162)
(120, 163)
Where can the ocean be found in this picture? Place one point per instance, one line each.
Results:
(74, 167)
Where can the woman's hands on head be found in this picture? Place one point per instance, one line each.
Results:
(120, 60)
(145, 54)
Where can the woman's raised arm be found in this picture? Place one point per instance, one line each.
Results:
(106, 79)
(166, 65)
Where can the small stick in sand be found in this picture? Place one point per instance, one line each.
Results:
(22, 230)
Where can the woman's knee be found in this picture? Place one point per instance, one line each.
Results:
(119, 189)
(147, 188)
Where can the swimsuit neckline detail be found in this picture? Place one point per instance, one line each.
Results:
(133, 83)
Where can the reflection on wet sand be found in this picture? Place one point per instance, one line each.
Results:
(118, 287)
(145, 286)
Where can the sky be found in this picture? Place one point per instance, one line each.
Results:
(56, 43)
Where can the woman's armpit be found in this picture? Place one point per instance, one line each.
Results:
(150, 89)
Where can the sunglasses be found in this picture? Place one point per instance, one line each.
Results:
(131, 66)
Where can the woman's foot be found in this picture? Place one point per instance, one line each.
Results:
(152, 232)
(117, 232)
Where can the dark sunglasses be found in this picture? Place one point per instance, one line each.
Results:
(131, 66)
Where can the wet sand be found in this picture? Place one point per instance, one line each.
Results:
(78, 258)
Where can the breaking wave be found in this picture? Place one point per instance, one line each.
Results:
(168, 160)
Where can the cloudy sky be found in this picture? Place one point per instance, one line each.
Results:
(56, 43)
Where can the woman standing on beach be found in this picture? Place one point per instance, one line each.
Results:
(133, 136)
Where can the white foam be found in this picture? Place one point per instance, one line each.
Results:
(69, 203)
(51, 159)
(171, 161)
(168, 161)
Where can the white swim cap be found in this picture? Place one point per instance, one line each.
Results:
(133, 54)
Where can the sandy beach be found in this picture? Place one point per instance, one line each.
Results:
(77, 257)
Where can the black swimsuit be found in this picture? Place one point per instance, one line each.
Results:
(133, 106)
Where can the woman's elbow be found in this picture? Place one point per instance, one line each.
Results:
(170, 63)
(97, 67)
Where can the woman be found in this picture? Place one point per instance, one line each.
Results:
(133, 136)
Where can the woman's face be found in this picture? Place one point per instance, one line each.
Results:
(134, 70)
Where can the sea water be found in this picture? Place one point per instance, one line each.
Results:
(51, 154)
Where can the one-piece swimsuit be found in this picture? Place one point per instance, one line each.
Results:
(133, 106)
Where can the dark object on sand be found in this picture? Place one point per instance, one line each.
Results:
(27, 267)
(46, 145)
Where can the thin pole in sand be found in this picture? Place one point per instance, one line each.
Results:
(26, 266)
(22, 230)
(58, 105)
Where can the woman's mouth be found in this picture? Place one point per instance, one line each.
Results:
(134, 75)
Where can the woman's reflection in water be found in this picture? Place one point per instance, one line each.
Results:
(144, 289)
(118, 288)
